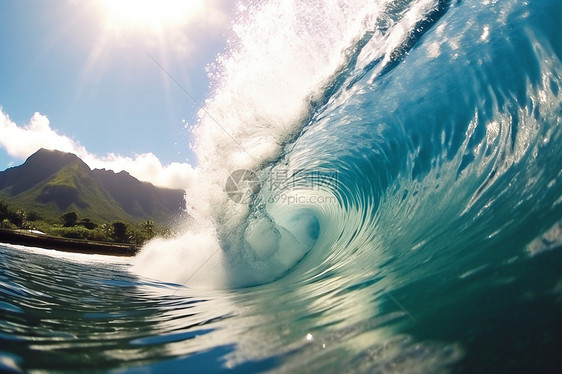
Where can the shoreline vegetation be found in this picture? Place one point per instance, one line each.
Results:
(70, 234)
(55, 201)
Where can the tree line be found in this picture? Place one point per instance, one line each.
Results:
(70, 225)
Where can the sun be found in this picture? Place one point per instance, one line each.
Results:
(155, 15)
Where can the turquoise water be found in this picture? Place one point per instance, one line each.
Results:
(406, 218)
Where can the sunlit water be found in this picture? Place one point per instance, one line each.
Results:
(407, 216)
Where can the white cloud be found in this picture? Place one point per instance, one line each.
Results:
(146, 167)
(22, 141)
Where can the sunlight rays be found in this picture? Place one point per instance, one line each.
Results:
(154, 15)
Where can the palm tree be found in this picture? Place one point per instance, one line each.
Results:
(147, 228)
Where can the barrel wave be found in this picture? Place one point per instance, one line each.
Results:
(393, 132)
(398, 195)
(444, 146)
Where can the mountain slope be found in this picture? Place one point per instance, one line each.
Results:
(52, 183)
(139, 199)
(38, 167)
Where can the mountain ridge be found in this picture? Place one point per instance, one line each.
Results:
(52, 182)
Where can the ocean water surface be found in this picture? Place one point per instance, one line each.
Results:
(380, 191)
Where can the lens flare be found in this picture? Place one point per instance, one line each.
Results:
(152, 14)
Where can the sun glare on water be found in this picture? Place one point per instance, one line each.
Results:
(153, 14)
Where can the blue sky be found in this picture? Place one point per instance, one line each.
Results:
(92, 73)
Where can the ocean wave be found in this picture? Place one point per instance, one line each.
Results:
(384, 132)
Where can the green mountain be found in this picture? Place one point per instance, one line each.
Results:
(51, 183)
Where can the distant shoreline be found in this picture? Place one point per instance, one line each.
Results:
(26, 238)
